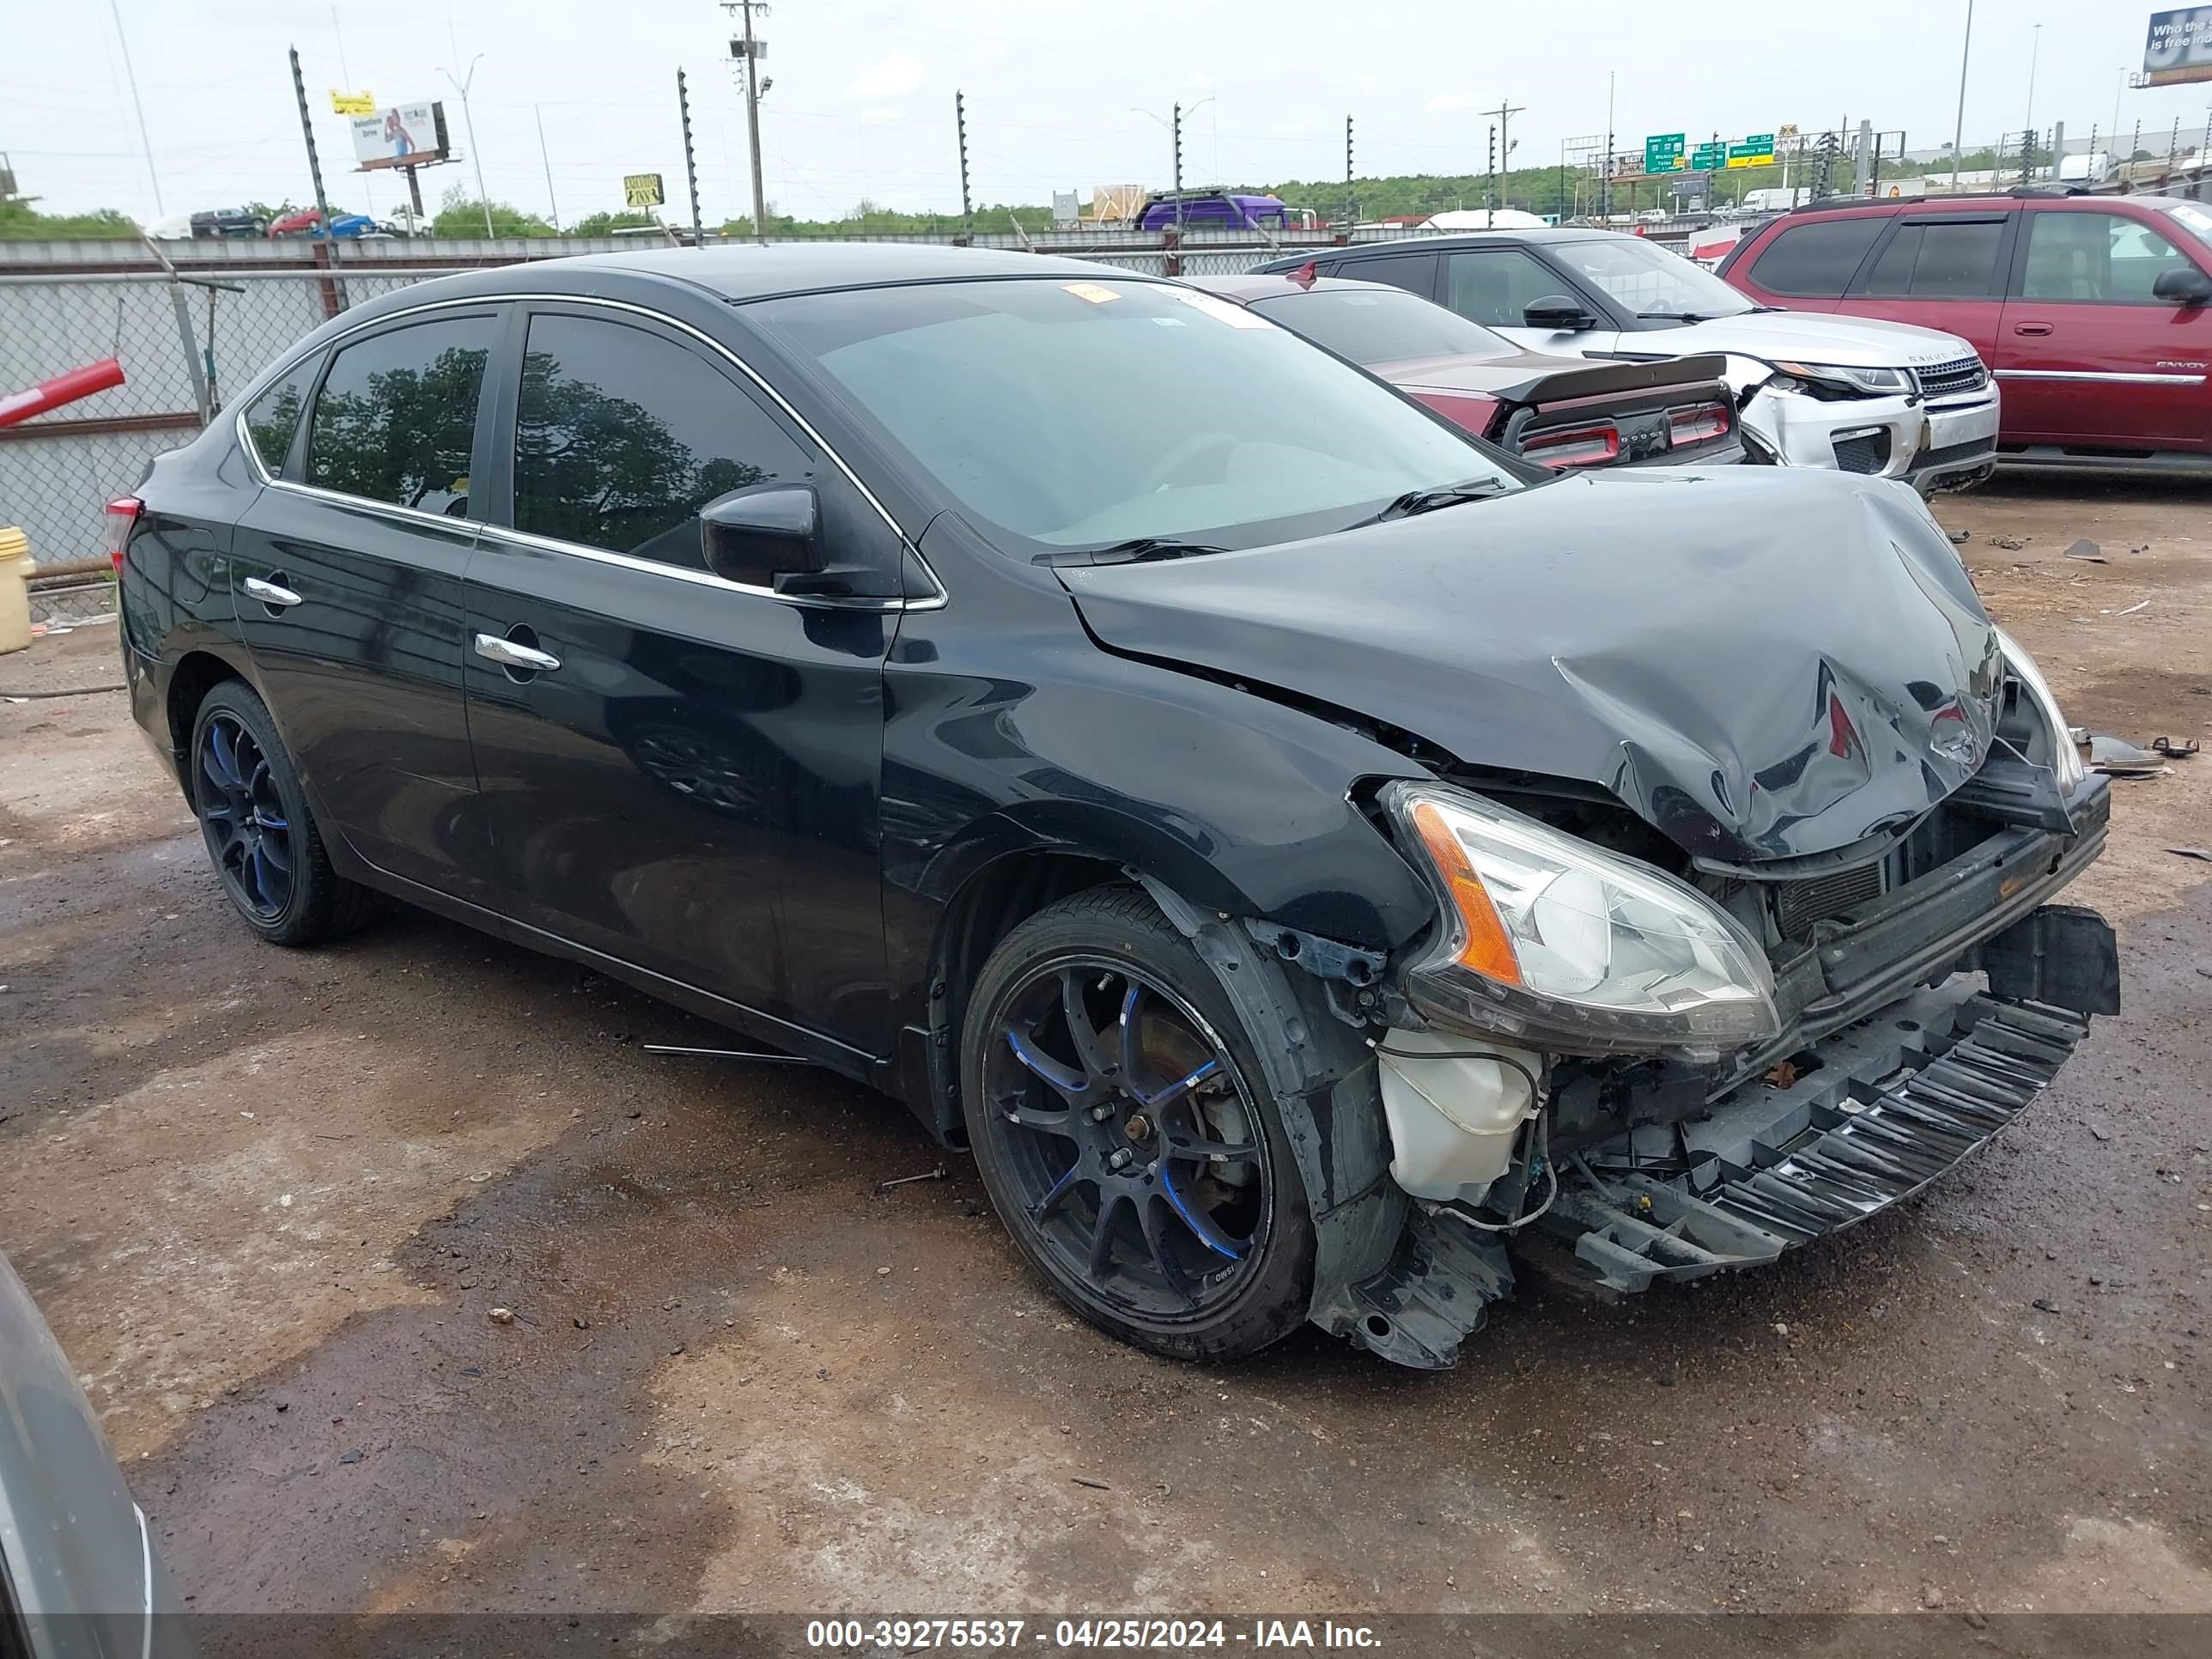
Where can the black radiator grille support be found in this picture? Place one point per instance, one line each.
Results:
(1799, 904)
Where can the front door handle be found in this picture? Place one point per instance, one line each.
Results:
(508, 654)
(274, 594)
(2030, 328)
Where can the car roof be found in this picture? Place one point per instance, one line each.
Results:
(1547, 235)
(744, 271)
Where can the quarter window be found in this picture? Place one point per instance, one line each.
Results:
(397, 416)
(1494, 286)
(2096, 257)
(1414, 272)
(1939, 260)
(274, 417)
(623, 436)
(1818, 260)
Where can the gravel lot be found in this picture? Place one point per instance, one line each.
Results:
(268, 1199)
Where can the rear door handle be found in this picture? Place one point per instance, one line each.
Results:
(508, 654)
(2030, 328)
(271, 594)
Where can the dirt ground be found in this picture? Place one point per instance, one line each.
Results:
(268, 1199)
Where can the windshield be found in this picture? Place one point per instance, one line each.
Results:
(1645, 279)
(1076, 414)
(1382, 325)
(2189, 214)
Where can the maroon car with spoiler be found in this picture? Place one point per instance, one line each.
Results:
(1556, 411)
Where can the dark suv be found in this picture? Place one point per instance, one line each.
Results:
(2093, 312)
(1298, 846)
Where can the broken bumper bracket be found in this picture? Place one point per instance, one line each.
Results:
(1897, 1101)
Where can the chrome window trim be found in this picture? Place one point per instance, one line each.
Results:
(936, 600)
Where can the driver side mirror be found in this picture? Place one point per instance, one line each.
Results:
(2185, 285)
(1556, 311)
(761, 533)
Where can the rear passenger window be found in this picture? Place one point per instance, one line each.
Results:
(274, 417)
(1817, 261)
(1414, 272)
(623, 436)
(1939, 260)
(397, 415)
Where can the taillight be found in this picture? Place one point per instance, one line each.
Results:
(1474, 413)
(1593, 445)
(1698, 422)
(122, 517)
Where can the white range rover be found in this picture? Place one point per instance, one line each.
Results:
(1815, 390)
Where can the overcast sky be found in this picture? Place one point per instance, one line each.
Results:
(862, 99)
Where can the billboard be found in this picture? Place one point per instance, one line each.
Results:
(401, 136)
(643, 189)
(2178, 47)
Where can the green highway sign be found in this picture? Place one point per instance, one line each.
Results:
(1664, 154)
(1754, 154)
(1760, 141)
(1706, 157)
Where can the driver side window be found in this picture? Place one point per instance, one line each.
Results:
(1493, 285)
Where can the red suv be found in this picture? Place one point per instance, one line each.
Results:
(2095, 312)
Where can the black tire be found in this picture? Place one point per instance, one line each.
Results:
(313, 902)
(1263, 1293)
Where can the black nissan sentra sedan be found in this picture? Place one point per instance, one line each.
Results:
(1301, 850)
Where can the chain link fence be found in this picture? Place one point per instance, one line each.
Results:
(189, 343)
(185, 345)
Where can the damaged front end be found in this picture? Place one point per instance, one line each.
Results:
(1653, 1065)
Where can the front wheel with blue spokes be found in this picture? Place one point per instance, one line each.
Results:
(1114, 1107)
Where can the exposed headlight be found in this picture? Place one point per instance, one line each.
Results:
(1838, 377)
(2064, 759)
(1552, 940)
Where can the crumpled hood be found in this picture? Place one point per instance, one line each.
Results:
(1763, 663)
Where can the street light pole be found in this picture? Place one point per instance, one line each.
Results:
(1959, 131)
(468, 118)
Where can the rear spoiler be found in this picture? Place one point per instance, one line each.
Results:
(1610, 378)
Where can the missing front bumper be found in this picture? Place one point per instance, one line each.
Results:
(1896, 1101)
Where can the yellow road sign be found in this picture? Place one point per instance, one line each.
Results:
(353, 103)
(642, 189)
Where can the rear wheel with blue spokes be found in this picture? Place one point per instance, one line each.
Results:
(248, 830)
(261, 836)
(1115, 1117)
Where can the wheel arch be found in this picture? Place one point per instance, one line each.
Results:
(196, 673)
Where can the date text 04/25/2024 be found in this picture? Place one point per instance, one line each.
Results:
(1150, 1634)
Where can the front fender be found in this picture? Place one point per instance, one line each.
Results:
(1240, 804)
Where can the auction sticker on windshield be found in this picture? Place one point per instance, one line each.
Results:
(1097, 293)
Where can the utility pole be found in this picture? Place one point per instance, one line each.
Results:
(1501, 147)
(1959, 128)
(1175, 130)
(1605, 162)
(314, 162)
(691, 163)
(754, 87)
(1351, 202)
(1490, 184)
(545, 159)
(960, 122)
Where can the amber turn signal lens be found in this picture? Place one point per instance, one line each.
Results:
(1486, 950)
